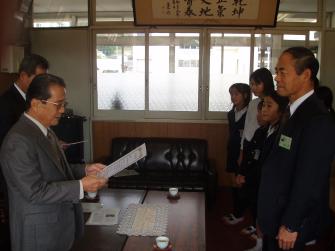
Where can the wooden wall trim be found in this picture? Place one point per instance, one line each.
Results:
(216, 135)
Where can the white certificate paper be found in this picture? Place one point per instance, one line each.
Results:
(123, 162)
(91, 207)
(104, 217)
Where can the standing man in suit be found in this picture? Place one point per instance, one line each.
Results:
(294, 192)
(12, 105)
(12, 102)
(44, 192)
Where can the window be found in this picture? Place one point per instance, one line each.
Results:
(174, 70)
(158, 74)
(120, 71)
(268, 48)
(59, 13)
(229, 64)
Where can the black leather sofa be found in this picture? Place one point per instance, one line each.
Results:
(170, 162)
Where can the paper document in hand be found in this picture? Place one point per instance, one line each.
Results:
(123, 162)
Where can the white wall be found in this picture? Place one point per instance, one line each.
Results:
(67, 51)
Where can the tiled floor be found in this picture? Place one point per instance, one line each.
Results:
(220, 237)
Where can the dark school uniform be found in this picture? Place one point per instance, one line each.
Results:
(234, 141)
(245, 196)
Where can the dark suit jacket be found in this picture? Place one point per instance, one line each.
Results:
(294, 189)
(12, 105)
(45, 213)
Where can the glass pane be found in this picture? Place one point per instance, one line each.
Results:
(174, 70)
(120, 71)
(229, 64)
(268, 48)
(330, 14)
(60, 13)
(302, 11)
(114, 11)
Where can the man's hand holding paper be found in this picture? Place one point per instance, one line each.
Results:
(123, 162)
(92, 182)
(94, 169)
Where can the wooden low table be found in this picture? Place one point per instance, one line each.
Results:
(186, 223)
(105, 238)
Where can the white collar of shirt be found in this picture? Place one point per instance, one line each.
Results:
(239, 114)
(294, 106)
(271, 130)
(20, 91)
(36, 122)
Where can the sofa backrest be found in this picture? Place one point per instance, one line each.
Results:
(165, 154)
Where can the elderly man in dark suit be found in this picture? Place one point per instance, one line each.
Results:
(12, 105)
(44, 192)
(294, 191)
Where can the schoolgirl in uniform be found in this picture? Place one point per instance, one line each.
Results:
(273, 107)
(261, 83)
(240, 97)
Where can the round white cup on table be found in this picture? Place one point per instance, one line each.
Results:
(92, 195)
(173, 191)
(162, 242)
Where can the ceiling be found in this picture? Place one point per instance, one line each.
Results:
(45, 6)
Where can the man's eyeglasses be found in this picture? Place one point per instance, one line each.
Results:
(58, 105)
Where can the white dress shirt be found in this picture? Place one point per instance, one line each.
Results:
(294, 106)
(20, 91)
(239, 114)
(251, 123)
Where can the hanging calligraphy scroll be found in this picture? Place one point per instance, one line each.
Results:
(206, 12)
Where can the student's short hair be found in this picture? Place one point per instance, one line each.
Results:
(263, 75)
(40, 87)
(244, 89)
(304, 59)
(31, 62)
(280, 100)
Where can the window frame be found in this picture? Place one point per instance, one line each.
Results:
(146, 114)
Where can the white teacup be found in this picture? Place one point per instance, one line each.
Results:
(162, 242)
(173, 191)
(92, 195)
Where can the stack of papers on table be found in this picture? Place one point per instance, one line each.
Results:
(104, 217)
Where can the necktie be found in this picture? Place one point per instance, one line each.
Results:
(283, 121)
(56, 148)
(285, 117)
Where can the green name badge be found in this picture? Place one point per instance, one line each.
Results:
(285, 142)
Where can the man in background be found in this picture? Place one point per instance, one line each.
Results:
(12, 102)
(44, 191)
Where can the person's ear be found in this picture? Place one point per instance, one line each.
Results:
(307, 74)
(35, 104)
(23, 75)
